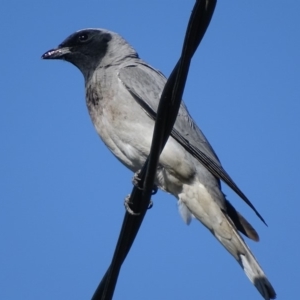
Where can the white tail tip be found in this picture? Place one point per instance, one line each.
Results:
(258, 278)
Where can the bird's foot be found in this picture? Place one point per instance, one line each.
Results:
(150, 204)
(136, 180)
(154, 190)
(127, 203)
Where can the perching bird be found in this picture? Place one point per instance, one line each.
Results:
(117, 82)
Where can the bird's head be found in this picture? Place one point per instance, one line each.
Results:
(89, 49)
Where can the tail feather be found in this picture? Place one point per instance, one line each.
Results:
(241, 223)
(257, 277)
(224, 222)
(251, 266)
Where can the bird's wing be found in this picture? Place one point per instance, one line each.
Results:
(146, 85)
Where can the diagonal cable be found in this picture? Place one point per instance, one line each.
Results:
(166, 116)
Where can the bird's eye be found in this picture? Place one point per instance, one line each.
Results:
(83, 37)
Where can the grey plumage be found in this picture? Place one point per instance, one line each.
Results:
(121, 92)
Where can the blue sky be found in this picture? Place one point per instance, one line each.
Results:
(62, 192)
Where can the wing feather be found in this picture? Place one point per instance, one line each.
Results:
(146, 85)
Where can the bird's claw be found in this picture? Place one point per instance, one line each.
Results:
(129, 210)
(127, 207)
(136, 182)
(150, 204)
(154, 190)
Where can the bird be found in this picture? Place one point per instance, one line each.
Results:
(121, 92)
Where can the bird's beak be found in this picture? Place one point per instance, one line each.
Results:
(57, 53)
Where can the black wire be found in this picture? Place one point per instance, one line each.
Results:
(166, 116)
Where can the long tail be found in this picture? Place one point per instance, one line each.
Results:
(240, 250)
(201, 204)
